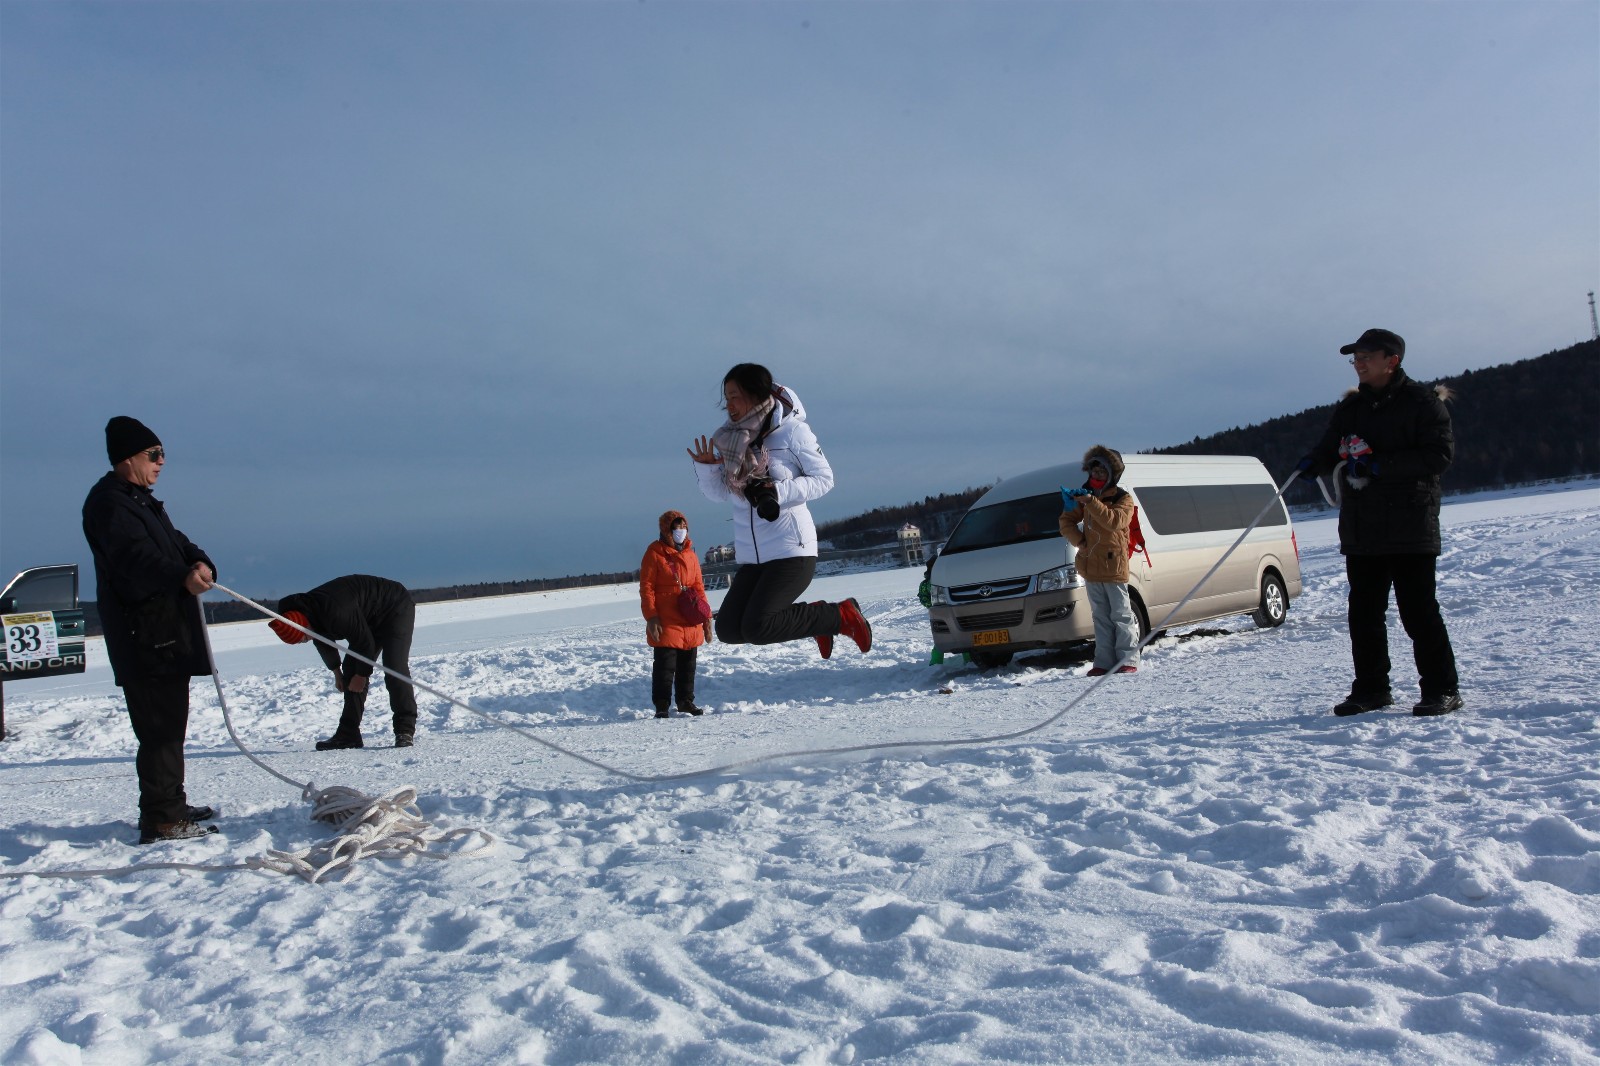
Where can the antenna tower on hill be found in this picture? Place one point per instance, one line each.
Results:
(1594, 323)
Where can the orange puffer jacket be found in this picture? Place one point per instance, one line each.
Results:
(663, 568)
(1102, 543)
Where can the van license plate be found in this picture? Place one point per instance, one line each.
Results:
(993, 636)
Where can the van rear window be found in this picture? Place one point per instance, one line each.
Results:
(1012, 522)
(1172, 509)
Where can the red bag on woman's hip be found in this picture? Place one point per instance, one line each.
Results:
(693, 605)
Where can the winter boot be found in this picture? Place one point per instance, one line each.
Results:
(662, 712)
(340, 739)
(685, 707)
(854, 624)
(1432, 706)
(1361, 703)
(403, 740)
(198, 814)
(184, 830)
(824, 640)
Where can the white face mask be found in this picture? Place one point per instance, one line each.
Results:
(679, 536)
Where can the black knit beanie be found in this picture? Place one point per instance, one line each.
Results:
(127, 436)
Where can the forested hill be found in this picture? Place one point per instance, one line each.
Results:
(1525, 421)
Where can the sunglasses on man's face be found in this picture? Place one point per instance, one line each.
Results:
(156, 455)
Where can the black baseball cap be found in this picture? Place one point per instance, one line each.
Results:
(1377, 340)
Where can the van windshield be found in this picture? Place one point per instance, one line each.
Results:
(1012, 522)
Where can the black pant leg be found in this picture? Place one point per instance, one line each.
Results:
(661, 675)
(395, 645)
(158, 708)
(355, 704)
(684, 676)
(730, 616)
(764, 612)
(1370, 579)
(1416, 596)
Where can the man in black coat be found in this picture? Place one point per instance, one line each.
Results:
(375, 615)
(1393, 436)
(148, 576)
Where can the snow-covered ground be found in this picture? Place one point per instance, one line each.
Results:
(1199, 863)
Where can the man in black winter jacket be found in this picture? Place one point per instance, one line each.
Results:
(375, 615)
(147, 578)
(1394, 439)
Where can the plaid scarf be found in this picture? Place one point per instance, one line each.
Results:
(742, 462)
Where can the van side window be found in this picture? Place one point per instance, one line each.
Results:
(1173, 509)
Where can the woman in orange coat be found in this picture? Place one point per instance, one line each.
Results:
(670, 566)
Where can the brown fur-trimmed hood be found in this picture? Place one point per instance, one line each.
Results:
(1110, 457)
(664, 524)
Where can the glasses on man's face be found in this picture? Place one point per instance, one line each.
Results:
(156, 455)
(1367, 357)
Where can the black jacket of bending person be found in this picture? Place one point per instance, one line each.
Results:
(355, 609)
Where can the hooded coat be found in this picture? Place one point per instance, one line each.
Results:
(1102, 542)
(799, 472)
(141, 562)
(664, 569)
(1408, 427)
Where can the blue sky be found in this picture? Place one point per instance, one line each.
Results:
(443, 291)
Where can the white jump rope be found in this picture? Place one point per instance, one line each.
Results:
(391, 826)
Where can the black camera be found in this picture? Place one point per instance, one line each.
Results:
(763, 496)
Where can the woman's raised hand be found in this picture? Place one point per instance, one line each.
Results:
(704, 452)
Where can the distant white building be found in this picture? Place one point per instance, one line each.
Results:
(911, 544)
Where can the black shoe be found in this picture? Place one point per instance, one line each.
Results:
(662, 712)
(403, 740)
(155, 834)
(690, 709)
(1444, 703)
(1359, 704)
(339, 740)
(199, 814)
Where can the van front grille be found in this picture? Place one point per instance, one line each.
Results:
(991, 590)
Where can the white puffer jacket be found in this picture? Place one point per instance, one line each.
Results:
(799, 472)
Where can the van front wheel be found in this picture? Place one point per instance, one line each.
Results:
(1274, 602)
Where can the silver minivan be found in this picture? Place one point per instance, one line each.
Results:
(1004, 582)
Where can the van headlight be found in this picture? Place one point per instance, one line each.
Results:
(938, 596)
(1062, 577)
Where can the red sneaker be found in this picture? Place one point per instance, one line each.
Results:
(854, 624)
(825, 640)
(1097, 671)
(1127, 669)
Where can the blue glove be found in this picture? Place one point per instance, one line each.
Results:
(1067, 495)
(1365, 467)
(1305, 465)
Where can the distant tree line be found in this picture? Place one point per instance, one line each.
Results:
(933, 515)
(1518, 422)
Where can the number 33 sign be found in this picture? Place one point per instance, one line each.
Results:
(30, 636)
